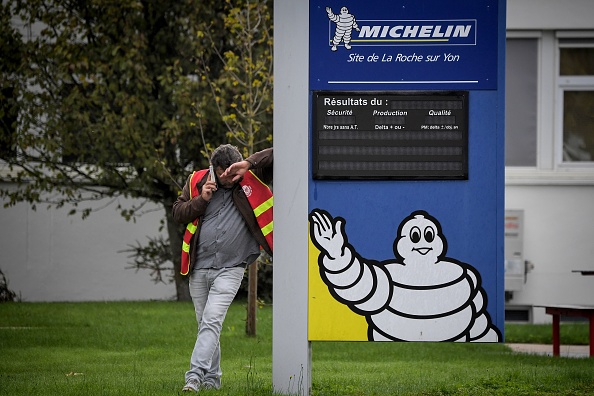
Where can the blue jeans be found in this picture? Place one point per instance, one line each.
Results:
(212, 292)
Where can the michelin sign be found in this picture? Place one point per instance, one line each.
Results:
(450, 32)
(405, 193)
(404, 44)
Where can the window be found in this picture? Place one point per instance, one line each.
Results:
(521, 102)
(549, 125)
(578, 126)
(576, 93)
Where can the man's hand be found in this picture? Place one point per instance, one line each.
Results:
(236, 170)
(208, 189)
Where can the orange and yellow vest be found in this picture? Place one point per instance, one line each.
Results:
(261, 201)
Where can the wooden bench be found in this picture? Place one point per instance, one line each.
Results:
(584, 311)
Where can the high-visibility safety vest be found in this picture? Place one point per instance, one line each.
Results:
(261, 201)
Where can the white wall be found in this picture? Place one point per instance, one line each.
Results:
(50, 256)
(550, 14)
(558, 238)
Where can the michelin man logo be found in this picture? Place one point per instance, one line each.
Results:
(345, 23)
(422, 295)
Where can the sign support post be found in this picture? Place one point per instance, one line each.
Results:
(291, 356)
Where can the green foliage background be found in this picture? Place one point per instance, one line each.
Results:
(108, 99)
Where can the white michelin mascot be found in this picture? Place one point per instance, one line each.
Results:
(420, 296)
(345, 23)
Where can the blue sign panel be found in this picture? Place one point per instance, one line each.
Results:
(405, 44)
(406, 182)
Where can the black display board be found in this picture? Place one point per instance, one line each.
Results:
(420, 135)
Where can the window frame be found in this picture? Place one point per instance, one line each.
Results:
(570, 83)
(550, 168)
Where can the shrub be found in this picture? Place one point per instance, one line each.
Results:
(5, 293)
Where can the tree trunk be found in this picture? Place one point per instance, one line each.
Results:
(250, 323)
(182, 289)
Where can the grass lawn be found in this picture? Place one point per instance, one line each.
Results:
(143, 348)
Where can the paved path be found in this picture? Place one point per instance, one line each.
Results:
(574, 351)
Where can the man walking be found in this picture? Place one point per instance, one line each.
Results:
(228, 214)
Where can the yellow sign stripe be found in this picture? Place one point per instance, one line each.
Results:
(264, 206)
(267, 229)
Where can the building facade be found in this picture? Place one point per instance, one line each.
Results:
(550, 152)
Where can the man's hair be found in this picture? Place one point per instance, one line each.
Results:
(225, 155)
